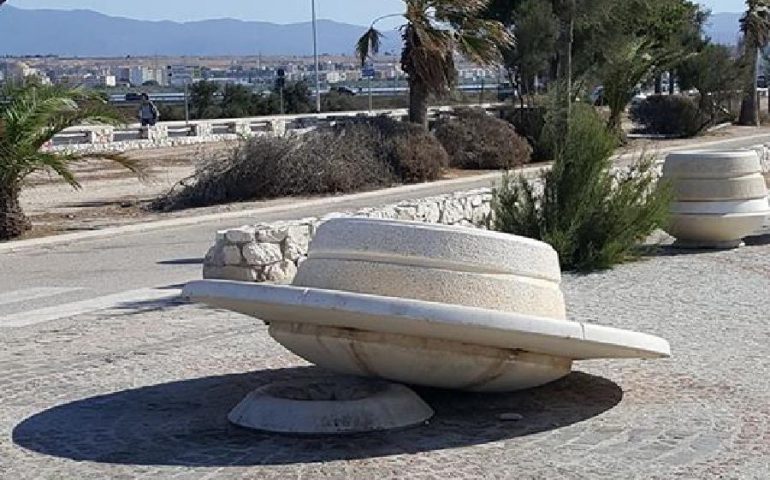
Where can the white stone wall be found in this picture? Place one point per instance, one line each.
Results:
(272, 252)
(128, 145)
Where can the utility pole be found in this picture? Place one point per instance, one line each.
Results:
(186, 103)
(370, 95)
(315, 57)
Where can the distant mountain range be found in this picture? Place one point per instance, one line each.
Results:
(86, 33)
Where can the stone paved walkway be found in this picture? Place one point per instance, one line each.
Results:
(142, 393)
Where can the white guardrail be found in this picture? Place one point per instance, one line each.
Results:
(103, 138)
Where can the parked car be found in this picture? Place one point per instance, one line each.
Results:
(638, 97)
(344, 90)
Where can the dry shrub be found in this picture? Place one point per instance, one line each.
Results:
(413, 154)
(350, 157)
(474, 140)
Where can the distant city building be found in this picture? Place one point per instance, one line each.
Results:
(19, 71)
(138, 76)
(180, 75)
(95, 81)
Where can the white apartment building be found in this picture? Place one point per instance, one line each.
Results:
(139, 75)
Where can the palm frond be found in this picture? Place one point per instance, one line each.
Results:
(368, 44)
(755, 23)
(59, 164)
(33, 116)
(451, 10)
(482, 41)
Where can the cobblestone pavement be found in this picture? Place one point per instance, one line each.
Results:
(142, 392)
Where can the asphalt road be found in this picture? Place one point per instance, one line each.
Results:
(48, 282)
(49, 276)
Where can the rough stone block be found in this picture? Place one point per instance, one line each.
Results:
(299, 235)
(283, 271)
(429, 212)
(215, 256)
(239, 274)
(292, 250)
(260, 254)
(405, 213)
(232, 255)
(452, 213)
(241, 235)
(271, 234)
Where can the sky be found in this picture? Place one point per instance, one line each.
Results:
(359, 12)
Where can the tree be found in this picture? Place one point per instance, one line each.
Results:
(433, 32)
(755, 26)
(535, 28)
(297, 97)
(237, 101)
(650, 34)
(592, 215)
(202, 97)
(714, 73)
(29, 120)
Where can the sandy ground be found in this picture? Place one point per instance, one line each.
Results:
(112, 196)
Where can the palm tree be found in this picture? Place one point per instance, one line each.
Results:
(755, 25)
(29, 118)
(433, 32)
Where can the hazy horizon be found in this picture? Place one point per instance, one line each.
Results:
(289, 11)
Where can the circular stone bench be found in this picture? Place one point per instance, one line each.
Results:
(433, 305)
(720, 197)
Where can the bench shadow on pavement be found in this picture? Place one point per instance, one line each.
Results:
(184, 423)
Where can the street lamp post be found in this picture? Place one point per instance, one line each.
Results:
(315, 57)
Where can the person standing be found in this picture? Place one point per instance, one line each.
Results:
(148, 112)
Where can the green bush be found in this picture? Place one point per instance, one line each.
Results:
(474, 140)
(531, 124)
(669, 115)
(347, 158)
(335, 101)
(592, 216)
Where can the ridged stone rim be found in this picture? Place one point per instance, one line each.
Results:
(330, 406)
(435, 246)
(757, 206)
(711, 164)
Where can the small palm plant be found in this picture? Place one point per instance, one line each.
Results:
(755, 25)
(29, 118)
(433, 32)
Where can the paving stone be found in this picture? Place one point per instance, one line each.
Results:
(143, 393)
